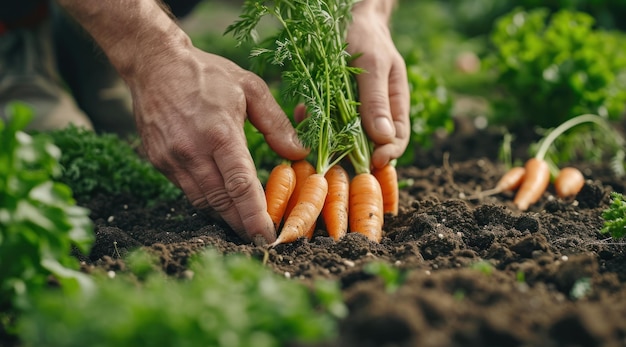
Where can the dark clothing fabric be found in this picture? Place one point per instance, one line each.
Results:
(14, 11)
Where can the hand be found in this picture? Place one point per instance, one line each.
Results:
(190, 113)
(383, 87)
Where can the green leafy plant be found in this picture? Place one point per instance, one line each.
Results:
(39, 221)
(553, 68)
(105, 164)
(431, 107)
(615, 217)
(229, 300)
(309, 47)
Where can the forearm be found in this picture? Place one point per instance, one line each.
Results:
(131, 32)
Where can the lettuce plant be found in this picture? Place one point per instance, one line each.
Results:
(554, 67)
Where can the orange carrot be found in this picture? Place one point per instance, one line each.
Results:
(308, 207)
(303, 169)
(388, 179)
(569, 182)
(535, 182)
(335, 211)
(278, 190)
(510, 181)
(366, 206)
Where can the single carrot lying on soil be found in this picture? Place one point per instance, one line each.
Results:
(387, 177)
(536, 180)
(278, 190)
(335, 211)
(568, 182)
(308, 207)
(366, 206)
(510, 181)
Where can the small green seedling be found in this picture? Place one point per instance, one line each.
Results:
(615, 217)
(392, 276)
(483, 266)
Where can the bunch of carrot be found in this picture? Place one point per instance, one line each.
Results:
(310, 48)
(297, 195)
(532, 180)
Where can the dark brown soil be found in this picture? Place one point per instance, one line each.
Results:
(539, 259)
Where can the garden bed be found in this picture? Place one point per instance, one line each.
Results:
(474, 273)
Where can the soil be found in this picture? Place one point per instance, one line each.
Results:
(477, 272)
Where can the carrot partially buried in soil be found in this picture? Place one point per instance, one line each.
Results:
(306, 210)
(335, 211)
(278, 190)
(366, 206)
(568, 182)
(387, 177)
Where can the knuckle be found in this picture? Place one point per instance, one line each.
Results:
(219, 201)
(239, 184)
(183, 151)
(253, 84)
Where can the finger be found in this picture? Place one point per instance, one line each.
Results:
(267, 116)
(374, 97)
(239, 197)
(399, 98)
(299, 113)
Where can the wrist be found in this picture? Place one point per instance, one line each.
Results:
(134, 35)
(379, 8)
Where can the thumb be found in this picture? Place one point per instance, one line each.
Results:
(375, 109)
(269, 118)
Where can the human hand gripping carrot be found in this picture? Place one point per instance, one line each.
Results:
(383, 86)
(190, 107)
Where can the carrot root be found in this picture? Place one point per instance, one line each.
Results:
(278, 190)
(307, 209)
(535, 182)
(387, 177)
(366, 207)
(569, 182)
(335, 211)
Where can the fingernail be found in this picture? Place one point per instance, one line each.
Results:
(383, 126)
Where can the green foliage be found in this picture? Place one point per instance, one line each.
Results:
(39, 221)
(615, 217)
(105, 164)
(431, 106)
(229, 301)
(309, 47)
(484, 267)
(562, 144)
(556, 67)
(391, 276)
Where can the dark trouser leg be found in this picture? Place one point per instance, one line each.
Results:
(27, 74)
